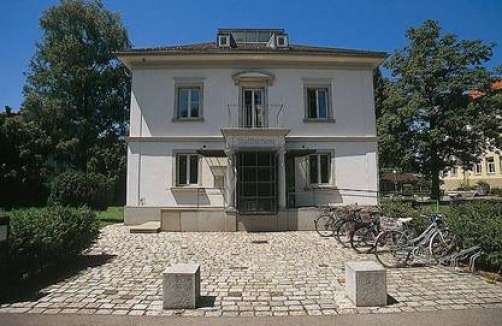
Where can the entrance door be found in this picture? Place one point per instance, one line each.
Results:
(253, 108)
(256, 183)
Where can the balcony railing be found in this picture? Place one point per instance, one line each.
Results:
(255, 116)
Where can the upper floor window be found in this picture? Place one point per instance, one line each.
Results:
(317, 103)
(320, 167)
(477, 168)
(187, 169)
(490, 165)
(188, 102)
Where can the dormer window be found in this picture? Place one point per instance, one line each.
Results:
(223, 41)
(282, 41)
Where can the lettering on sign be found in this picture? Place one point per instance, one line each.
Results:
(255, 142)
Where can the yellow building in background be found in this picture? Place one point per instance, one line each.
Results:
(489, 170)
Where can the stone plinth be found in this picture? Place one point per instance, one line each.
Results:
(366, 283)
(181, 286)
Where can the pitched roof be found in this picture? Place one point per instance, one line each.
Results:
(261, 48)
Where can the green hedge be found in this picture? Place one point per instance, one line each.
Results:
(480, 223)
(41, 237)
(77, 189)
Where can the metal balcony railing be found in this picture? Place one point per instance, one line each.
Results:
(255, 116)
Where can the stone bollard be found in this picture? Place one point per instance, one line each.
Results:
(366, 283)
(181, 286)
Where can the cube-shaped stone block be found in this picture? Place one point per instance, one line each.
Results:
(181, 286)
(366, 283)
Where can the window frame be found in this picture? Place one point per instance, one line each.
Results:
(329, 102)
(477, 168)
(319, 169)
(490, 161)
(190, 86)
(188, 170)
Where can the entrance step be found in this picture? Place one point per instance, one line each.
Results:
(148, 227)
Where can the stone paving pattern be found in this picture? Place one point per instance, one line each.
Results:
(246, 274)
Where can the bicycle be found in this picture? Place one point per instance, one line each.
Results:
(394, 249)
(345, 226)
(325, 221)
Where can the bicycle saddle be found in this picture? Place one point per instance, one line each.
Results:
(405, 219)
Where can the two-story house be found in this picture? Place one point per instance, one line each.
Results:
(249, 132)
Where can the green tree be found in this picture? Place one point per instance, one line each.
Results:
(24, 150)
(76, 89)
(430, 115)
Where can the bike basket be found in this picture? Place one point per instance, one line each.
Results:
(387, 223)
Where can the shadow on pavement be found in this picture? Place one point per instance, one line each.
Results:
(31, 289)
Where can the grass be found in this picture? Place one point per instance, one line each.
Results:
(112, 215)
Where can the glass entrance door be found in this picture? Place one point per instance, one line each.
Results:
(253, 108)
(256, 183)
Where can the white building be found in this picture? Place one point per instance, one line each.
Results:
(249, 132)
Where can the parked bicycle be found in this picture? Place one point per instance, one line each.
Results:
(393, 248)
(363, 236)
(326, 220)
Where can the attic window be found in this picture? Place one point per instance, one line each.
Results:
(223, 41)
(282, 41)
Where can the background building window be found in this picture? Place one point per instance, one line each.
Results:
(318, 103)
(188, 102)
(490, 165)
(477, 168)
(320, 167)
(187, 172)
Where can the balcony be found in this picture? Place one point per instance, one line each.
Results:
(255, 127)
(255, 116)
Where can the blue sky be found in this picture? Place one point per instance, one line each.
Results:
(362, 24)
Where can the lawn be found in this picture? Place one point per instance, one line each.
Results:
(112, 215)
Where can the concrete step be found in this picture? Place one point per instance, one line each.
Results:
(148, 227)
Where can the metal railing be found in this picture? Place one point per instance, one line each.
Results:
(255, 116)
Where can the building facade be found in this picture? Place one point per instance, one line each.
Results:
(488, 170)
(249, 132)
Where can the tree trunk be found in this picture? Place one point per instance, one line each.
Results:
(435, 190)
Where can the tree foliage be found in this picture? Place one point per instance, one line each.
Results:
(430, 120)
(24, 149)
(76, 90)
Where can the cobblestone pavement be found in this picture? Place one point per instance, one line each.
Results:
(246, 274)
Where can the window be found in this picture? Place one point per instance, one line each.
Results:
(187, 172)
(188, 102)
(318, 100)
(320, 167)
(477, 168)
(490, 165)
(223, 41)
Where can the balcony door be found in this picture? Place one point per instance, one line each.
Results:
(253, 108)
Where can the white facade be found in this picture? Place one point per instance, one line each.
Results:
(217, 136)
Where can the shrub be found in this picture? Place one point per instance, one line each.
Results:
(41, 237)
(496, 192)
(398, 208)
(77, 189)
(480, 223)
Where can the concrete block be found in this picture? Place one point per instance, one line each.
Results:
(366, 283)
(139, 215)
(171, 221)
(181, 286)
(188, 221)
(211, 220)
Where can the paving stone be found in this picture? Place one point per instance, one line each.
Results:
(278, 278)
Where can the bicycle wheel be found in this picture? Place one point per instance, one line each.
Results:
(342, 234)
(391, 249)
(443, 243)
(362, 240)
(324, 225)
